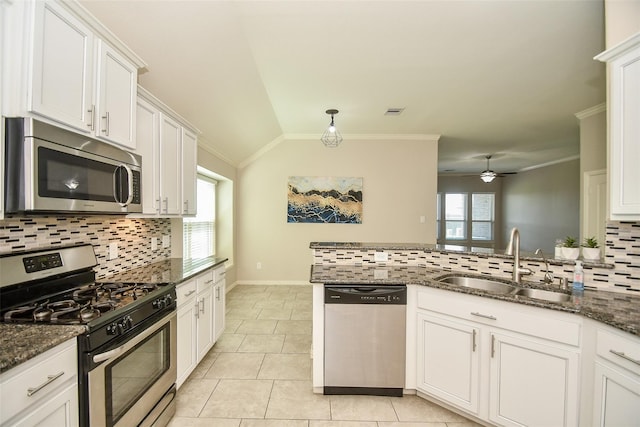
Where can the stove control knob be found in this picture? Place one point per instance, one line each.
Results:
(159, 304)
(112, 329)
(168, 300)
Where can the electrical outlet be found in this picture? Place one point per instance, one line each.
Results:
(259, 266)
(423, 219)
(154, 243)
(113, 250)
(166, 241)
(381, 257)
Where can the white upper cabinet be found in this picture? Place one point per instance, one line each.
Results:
(624, 128)
(67, 68)
(62, 75)
(189, 165)
(117, 81)
(168, 148)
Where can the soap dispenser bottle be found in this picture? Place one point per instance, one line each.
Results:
(578, 277)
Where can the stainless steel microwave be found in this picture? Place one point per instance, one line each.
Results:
(52, 170)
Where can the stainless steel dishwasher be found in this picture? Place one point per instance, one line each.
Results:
(364, 339)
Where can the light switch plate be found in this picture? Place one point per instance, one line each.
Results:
(154, 243)
(166, 241)
(113, 250)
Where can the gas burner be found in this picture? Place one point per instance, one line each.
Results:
(20, 313)
(85, 293)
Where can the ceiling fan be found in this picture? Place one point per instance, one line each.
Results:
(488, 175)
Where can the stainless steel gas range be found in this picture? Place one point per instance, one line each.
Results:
(126, 357)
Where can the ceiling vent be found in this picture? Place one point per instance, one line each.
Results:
(393, 111)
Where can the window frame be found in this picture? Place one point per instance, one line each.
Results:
(468, 240)
(187, 229)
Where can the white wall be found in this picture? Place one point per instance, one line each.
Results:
(399, 186)
(544, 204)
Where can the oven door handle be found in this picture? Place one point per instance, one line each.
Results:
(108, 354)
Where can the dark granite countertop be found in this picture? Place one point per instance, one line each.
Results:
(19, 343)
(620, 310)
(172, 270)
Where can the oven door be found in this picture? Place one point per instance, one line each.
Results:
(131, 378)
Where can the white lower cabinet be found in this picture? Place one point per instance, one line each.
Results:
(616, 391)
(187, 330)
(201, 303)
(503, 363)
(42, 391)
(219, 302)
(204, 284)
(449, 366)
(532, 383)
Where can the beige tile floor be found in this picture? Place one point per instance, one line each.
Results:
(259, 375)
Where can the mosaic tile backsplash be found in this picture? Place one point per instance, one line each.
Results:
(133, 236)
(620, 270)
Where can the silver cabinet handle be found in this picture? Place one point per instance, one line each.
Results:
(158, 208)
(166, 205)
(493, 345)
(191, 292)
(218, 299)
(474, 341)
(50, 378)
(108, 354)
(106, 123)
(197, 313)
(202, 304)
(92, 112)
(624, 356)
(486, 316)
(186, 206)
(209, 281)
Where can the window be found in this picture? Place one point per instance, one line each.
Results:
(199, 231)
(467, 219)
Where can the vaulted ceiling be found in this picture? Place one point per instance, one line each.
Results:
(491, 77)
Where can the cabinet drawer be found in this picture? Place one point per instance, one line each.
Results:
(619, 349)
(185, 291)
(31, 382)
(219, 274)
(537, 322)
(203, 281)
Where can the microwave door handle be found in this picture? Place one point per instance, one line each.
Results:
(116, 189)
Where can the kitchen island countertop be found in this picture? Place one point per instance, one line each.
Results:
(616, 309)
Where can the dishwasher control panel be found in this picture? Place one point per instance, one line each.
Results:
(365, 294)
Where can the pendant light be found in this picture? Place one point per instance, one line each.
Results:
(488, 175)
(331, 137)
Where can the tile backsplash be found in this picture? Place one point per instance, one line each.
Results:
(133, 236)
(620, 270)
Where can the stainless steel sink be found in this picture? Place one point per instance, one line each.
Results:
(543, 295)
(487, 285)
(501, 288)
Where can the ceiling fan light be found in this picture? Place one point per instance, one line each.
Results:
(331, 137)
(488, 176)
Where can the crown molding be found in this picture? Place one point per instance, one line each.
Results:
(581, 115)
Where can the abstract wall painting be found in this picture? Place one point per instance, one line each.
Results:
(324, 200)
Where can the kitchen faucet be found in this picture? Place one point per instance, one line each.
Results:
(548, 277)
(513, 248)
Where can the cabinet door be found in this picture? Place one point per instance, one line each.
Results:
(186, 339)
(448, 360)
(62, 74)
(117, 81)
(532, 384)
(147, 119)
(205, 321)
(219, 309)
(170, 172)
(60, 411)
(624, 128)
(189, 165)
(616, 400)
